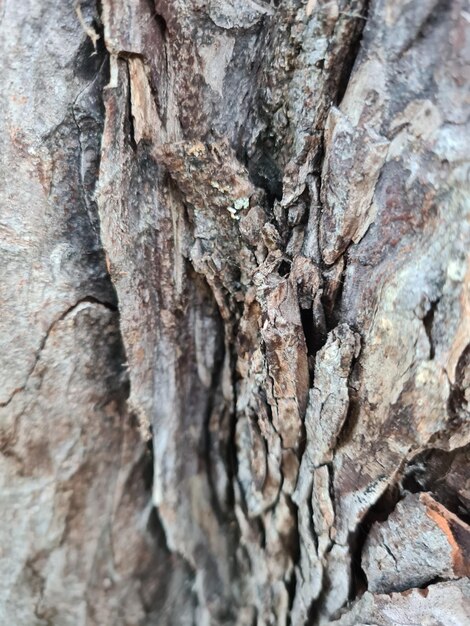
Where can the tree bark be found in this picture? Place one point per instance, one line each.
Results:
(235, 312)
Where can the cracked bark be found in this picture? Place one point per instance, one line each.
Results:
(239, 231)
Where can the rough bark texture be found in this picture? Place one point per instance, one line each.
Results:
(235, 312)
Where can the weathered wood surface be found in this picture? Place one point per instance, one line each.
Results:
(264, 206)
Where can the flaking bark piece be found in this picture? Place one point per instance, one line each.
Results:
(209, 175)
(420, 541)
(347, 199)
(333, 365)
(442, 604)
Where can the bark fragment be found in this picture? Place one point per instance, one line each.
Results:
(420, 541)
(441, 604)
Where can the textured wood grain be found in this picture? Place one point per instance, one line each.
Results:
(243, 225)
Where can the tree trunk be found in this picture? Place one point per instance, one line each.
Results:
(235, 312)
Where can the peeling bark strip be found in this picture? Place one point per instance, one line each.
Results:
(264, 205)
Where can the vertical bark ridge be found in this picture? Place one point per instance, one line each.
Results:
(71, 455)
(219, 215)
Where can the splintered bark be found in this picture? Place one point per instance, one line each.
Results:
(235, 312)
